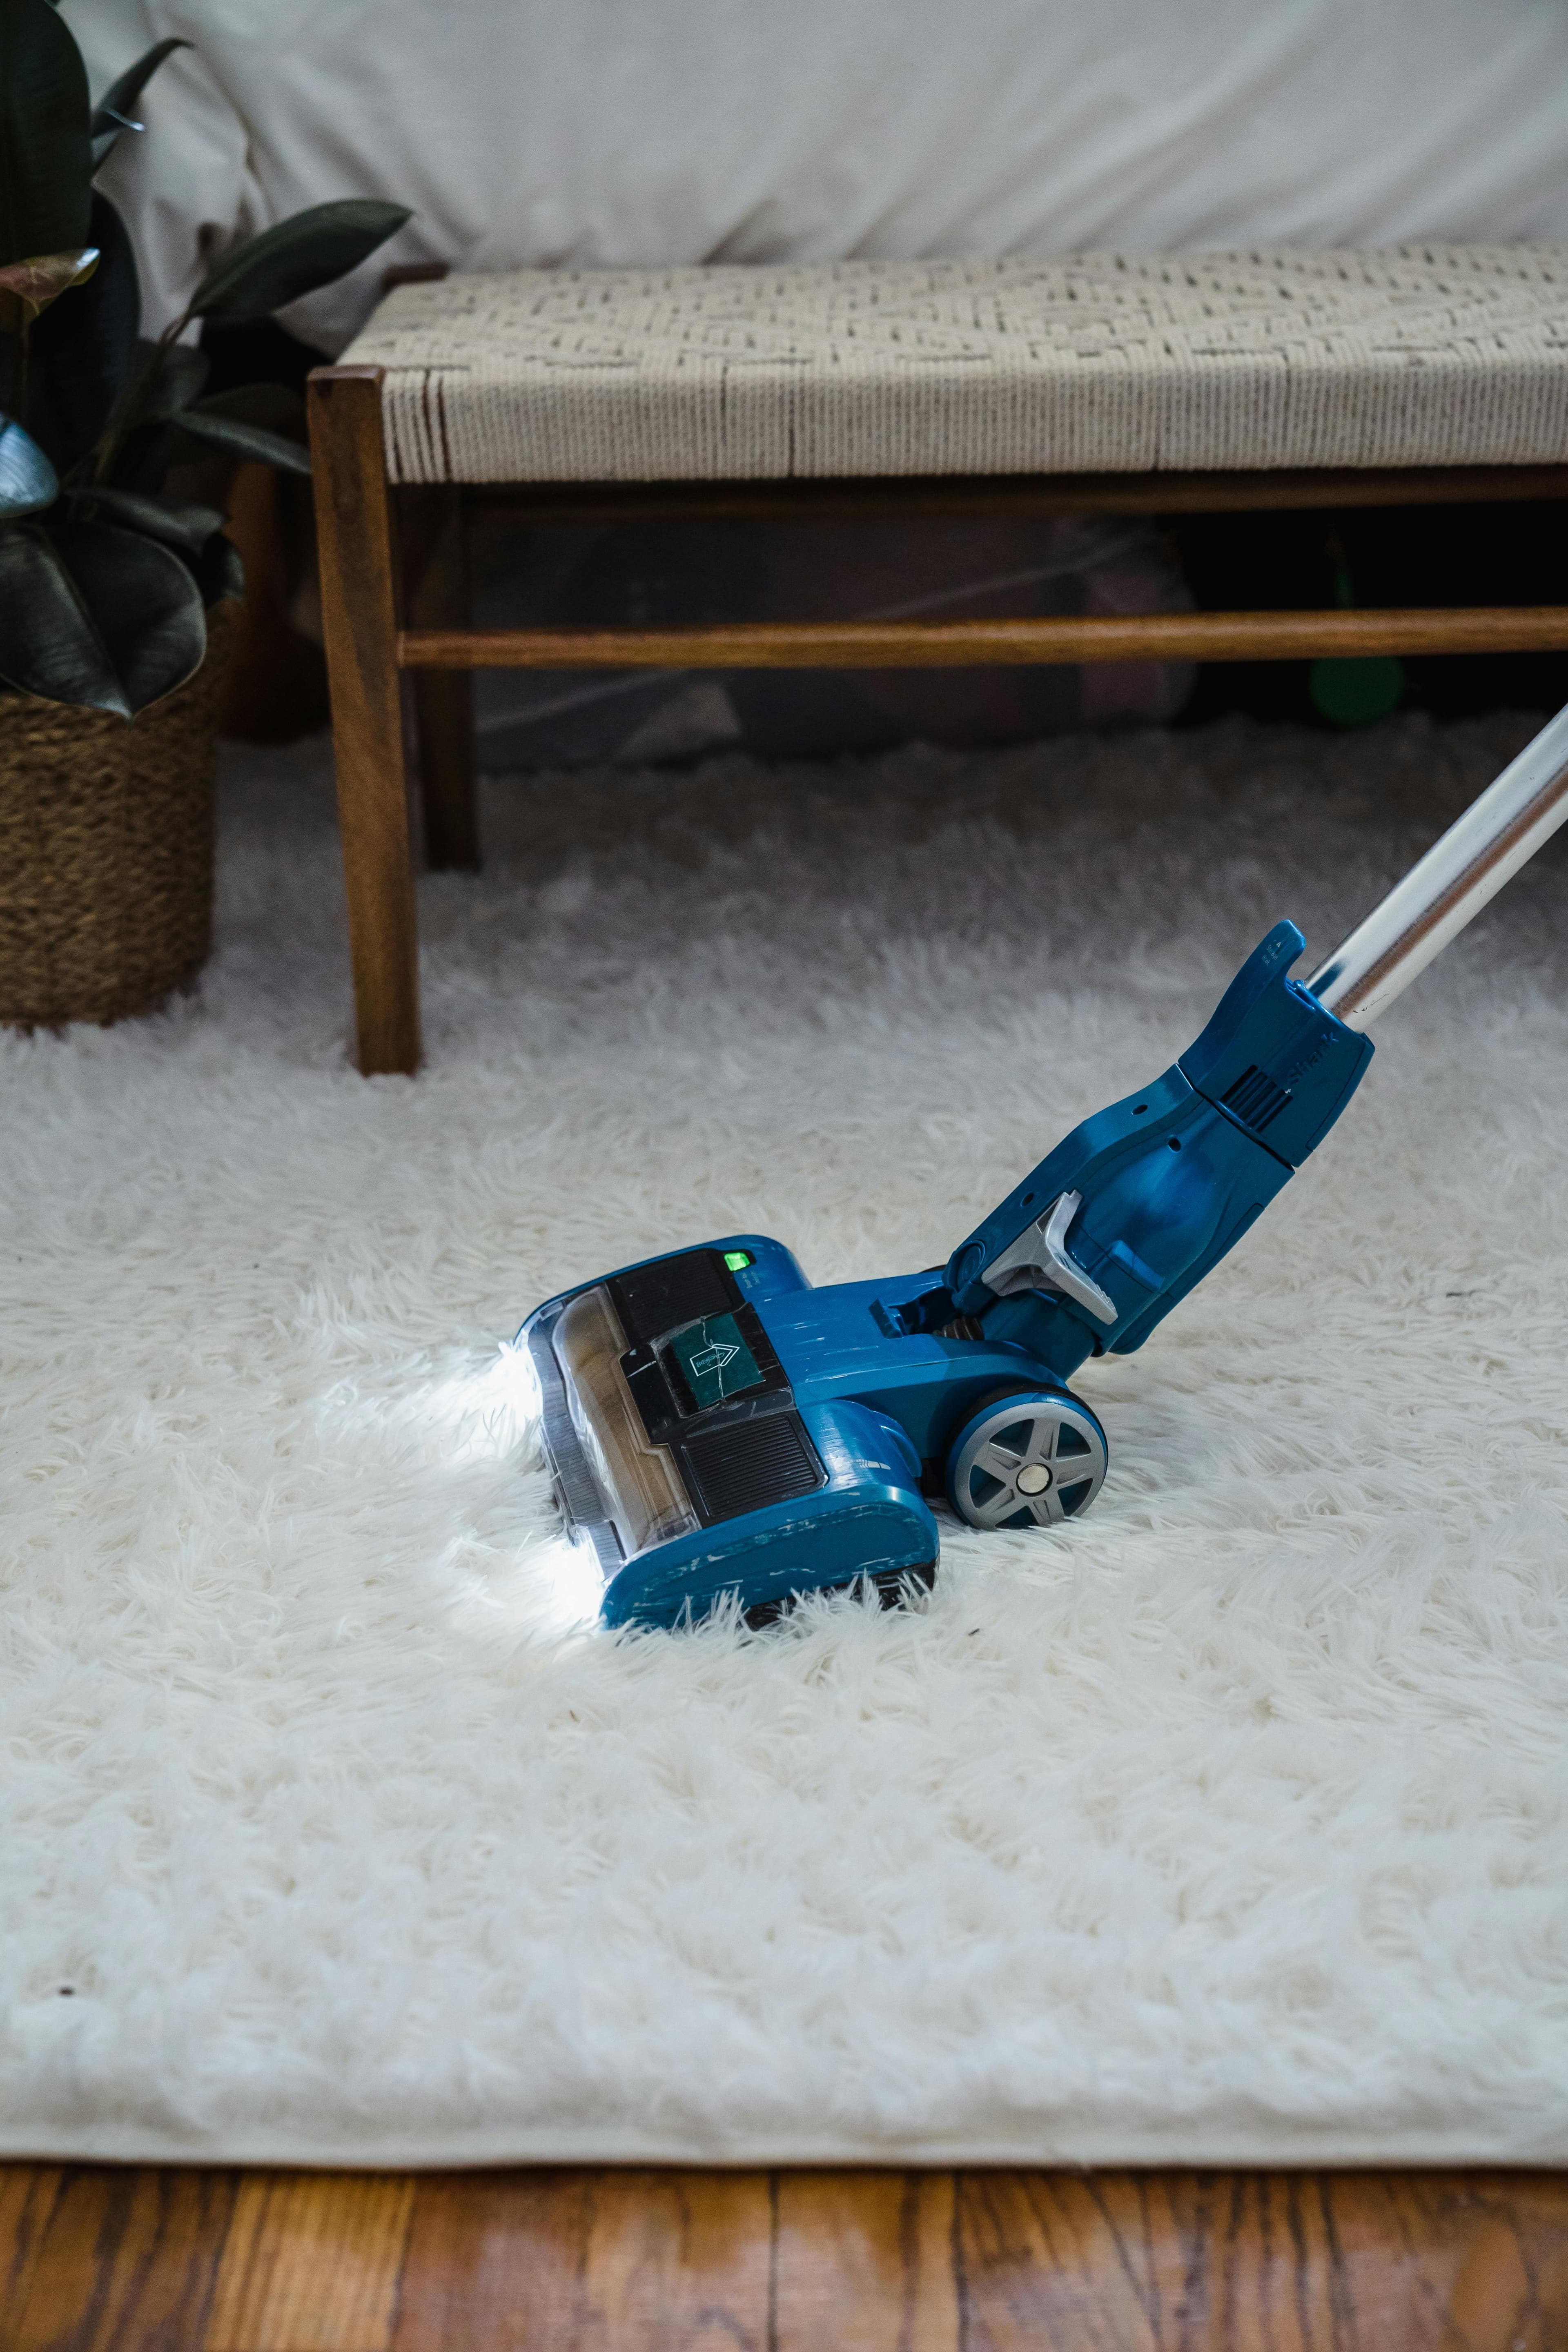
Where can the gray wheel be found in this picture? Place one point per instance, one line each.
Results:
(1027, 1461)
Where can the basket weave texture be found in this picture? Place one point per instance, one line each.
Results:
(1088, 363)
(106, 848)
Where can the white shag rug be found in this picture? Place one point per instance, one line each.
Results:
(1229, 1825)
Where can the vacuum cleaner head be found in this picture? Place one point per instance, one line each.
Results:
(696, 1462)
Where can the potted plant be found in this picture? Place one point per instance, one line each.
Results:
(112, 586)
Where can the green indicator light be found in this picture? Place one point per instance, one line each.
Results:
(736, 1259)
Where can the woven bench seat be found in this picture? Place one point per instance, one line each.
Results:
(1431, 355)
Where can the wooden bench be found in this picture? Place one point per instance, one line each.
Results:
(1134, 383)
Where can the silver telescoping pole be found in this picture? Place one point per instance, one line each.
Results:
(1483, 849)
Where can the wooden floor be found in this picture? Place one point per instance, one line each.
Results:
(106, 2260)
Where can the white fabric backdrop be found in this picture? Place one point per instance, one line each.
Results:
(531, 132)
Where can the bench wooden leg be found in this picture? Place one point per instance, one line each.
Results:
(359, 614)
(444, 702)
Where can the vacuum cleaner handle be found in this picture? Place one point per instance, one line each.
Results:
(1447, 888)
(1133, 1209)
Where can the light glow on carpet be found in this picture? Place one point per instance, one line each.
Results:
(576, 1581)
(488, 1413)
(553, 1584)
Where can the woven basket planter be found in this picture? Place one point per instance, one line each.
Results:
(106, 849)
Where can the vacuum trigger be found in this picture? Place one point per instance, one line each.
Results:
(1040, 1260)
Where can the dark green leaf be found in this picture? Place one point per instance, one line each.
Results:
(45, 155)
(295, 256)
(145, 604)
(28, 481)
(113, 108)
(175, 522)
(244, 440)
(83, 349)
(49, 643)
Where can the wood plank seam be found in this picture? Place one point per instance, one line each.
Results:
(772, 2317)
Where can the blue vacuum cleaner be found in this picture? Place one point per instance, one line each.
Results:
(717, 1426)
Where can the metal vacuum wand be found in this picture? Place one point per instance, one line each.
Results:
(1459, 873)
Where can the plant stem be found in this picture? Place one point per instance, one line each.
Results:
(124, 416)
